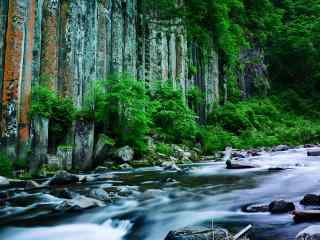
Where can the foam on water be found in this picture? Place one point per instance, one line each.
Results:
(111, 230)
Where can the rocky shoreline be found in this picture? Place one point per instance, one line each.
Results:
(65, 192)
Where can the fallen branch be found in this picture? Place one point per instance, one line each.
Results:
(242, 232)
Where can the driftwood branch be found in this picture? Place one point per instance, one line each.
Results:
(242, 232)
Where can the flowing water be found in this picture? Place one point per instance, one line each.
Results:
(152, 204)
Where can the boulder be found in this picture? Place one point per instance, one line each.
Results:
(63, 178)
(231, 165)
(81, 202)
(313, 153)
(4, 181)
(103, 147)
(125, 166)
(101, 169)
(281, 206)
(310, 199)
(63, 193)
(198, 233)
(124, 154)
(306, 216)
(280, 148)
(170, 166)
(30, 184)
(83, 145)
(310, 233)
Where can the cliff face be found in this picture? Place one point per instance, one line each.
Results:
(68, 44)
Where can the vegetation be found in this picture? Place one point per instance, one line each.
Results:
(60, 111)
(284, 118)
(6, 166)
(127, 113)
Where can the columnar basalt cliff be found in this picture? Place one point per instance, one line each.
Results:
(68, 44)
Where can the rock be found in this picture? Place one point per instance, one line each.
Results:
(309, 145)
(63, 193)
(101, 169)
(280, 148)
(4, 181)
(256, 208)
(63, 178)
(276, 169)
(231, 165)
(30, 184)
(198, 233)
(306, 216)
(313, 153)
(310, 199)
(99, 194)
(83, 145)
(64, 156)
(124, 154)
(125, 166)
(80, 203)
(170, 166)
(310, 233)
(152, 193)
(103, 147)
(281, 206)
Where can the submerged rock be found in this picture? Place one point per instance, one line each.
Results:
(256, 208)
(99, 194)
(281, 206)
(63, 178)
(310, 233)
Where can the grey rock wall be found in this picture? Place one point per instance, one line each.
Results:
(69, 44)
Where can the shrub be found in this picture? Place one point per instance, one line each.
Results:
(123, 110)
(171, 116)
(59, 110)
(165, 149)
(6, 166)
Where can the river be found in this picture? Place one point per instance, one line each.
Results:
(154, 201)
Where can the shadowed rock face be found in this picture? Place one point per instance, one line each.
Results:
(67, 45)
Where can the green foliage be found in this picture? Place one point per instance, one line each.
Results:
(164, 148)
(6, 166)
(123, 110)
(171, 116)
(59, 110)
(285, 118)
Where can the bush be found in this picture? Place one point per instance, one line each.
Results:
(171, 116)
(6, 166)
(59, 110)
(123, 111)
(165, 149)
(262, 122)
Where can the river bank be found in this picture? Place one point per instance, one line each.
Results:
(147, 203)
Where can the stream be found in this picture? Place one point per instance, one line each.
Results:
(154, 201)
